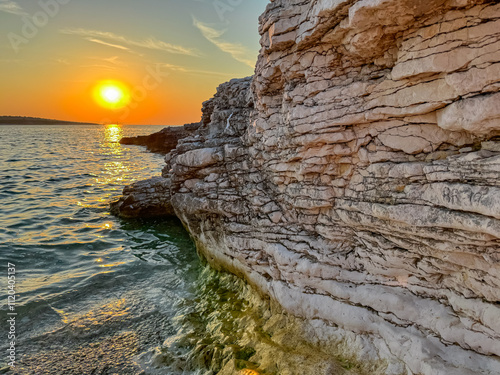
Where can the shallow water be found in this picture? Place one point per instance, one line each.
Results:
(85, 277)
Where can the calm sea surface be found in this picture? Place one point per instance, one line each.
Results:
(93, 290)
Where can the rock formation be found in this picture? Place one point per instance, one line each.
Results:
(145, 199)
(355, 179)
(163, 141)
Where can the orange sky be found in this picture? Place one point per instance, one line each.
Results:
(170, 54)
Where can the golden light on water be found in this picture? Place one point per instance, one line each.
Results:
(113, 133)
(115, 309)
(107, 226)
(112, 94)
(110, 265)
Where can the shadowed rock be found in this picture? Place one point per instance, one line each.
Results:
(145, 199)
(163, 141)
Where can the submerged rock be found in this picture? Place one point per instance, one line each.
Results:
(355, 179)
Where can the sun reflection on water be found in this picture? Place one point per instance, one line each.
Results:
(112, 310)
(116, 264)
(107, 226)
(113, 171)
(113, 133)
(110, 144)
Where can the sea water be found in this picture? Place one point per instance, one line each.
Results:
(93, 291)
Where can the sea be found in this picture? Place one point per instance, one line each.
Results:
(92, 292)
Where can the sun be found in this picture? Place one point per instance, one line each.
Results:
(112, 94)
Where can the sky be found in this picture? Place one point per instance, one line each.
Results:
(168, 56)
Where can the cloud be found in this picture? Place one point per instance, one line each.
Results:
(9, 6)
(237, 51)
(121, 41)
(115, 60)
(100, 66)
(112, 62)
(94, 40)
(182, 69)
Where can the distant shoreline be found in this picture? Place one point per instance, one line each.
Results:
(20, 120)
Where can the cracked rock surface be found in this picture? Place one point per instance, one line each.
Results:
(355, 178)
(145, 199)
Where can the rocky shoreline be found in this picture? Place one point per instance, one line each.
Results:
(355, 179)
(163, 141)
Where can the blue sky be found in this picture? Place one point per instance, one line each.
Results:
(52, 51)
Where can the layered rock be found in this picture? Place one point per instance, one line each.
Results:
(356, 178)
(145, 199)
(151, 198)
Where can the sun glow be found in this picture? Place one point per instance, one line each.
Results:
(112, 94)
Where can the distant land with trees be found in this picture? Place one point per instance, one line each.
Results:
(22, 120)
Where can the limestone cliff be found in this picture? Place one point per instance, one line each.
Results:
(355, 178)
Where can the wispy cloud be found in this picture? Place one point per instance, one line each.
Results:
(114, 60)
(9, 6)
(98, 41)
(182, 69)
(119, 41)
(100, 66)
(237, 51)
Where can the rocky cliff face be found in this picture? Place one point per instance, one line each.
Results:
(356, 178)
